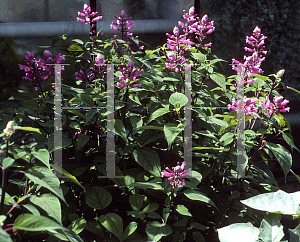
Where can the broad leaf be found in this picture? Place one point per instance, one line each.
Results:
(113, 223)
(159, 112)
(77, 225)
(171, 131)
(238, 232)
(120, 129)
(178, 100)
(156, 230)
(271, 230)
(196, 195)
(44, 177)
(148, 159)
(283, 156)
(275, 202)
(97, 197)
(31, 222)
(7, 162)
(130, 229)
(43, 156)
(295, 234)
(50, 204)
(183, 210)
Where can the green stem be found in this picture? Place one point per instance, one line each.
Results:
(3, 181)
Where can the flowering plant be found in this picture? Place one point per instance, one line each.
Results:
(75, 201)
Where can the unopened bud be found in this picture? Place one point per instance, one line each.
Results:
(280, 73)
(122, 14)
(9, 128)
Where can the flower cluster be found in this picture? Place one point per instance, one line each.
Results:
(279, 105)
(99, 62)
(200, 28)
(252, 63)
(36, 70)
(129, 74)
(177, 44)
(124, 26)
(175, 176)
(249, 107)
(89, 15)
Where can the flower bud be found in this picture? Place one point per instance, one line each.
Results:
(9, 128)
(47, 54)
(122, 14)
(130, 65)
(192, 11)
(256, 31)
(176, 31)
(280, 73)
(204, 18)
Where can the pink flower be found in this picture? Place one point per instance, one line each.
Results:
(129, 74)
(175, 176)
(88, 14)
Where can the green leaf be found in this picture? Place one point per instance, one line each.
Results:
(171, 131)
(113, 223)
(4, 236)
(30, 222)
(198, 226)
(214, 120)
(283, 156)
(170, 79)
(130, 229)
(295, 234)
(97, 197)
(50, 204)
(148, 159)
(44, 177)
(156, 230)
(120, 129)
(178, 100)
(149, 136)
(159, 112)
(135, 98)
(7, 162)
(150, 208)
(197, 236)
(81, 141)
(78, 225)
(238, 232)
(43, 156)
(31, 209)
(275, 202)
(154, 186)
(227, 138)
(95, 228)
(271, 230)
(219, 79)
(28, 129)
(151, 127)
(183, 210)
(87, 99)
(65, 173)
(199, 56)
(90, 114)
(136, 201)
(196, 195)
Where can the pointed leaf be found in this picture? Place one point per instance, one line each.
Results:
(87, 99)
(171, 131)
(275, 202)
(183, 210)
(97, 197)
(271, 230)
(196, 195)
(178, 100)
(159, 112)
(113, 223)
(44, 177)
(130, 229)
(77, 225)
(7, 162)
(295, 234)
(30, 222)
(120, 129)
(65, 173)
(148, 159)
(283, 156)
(49, 203)
(43, 156)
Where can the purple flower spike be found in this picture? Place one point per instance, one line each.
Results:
(122, 14)
(175, 175)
